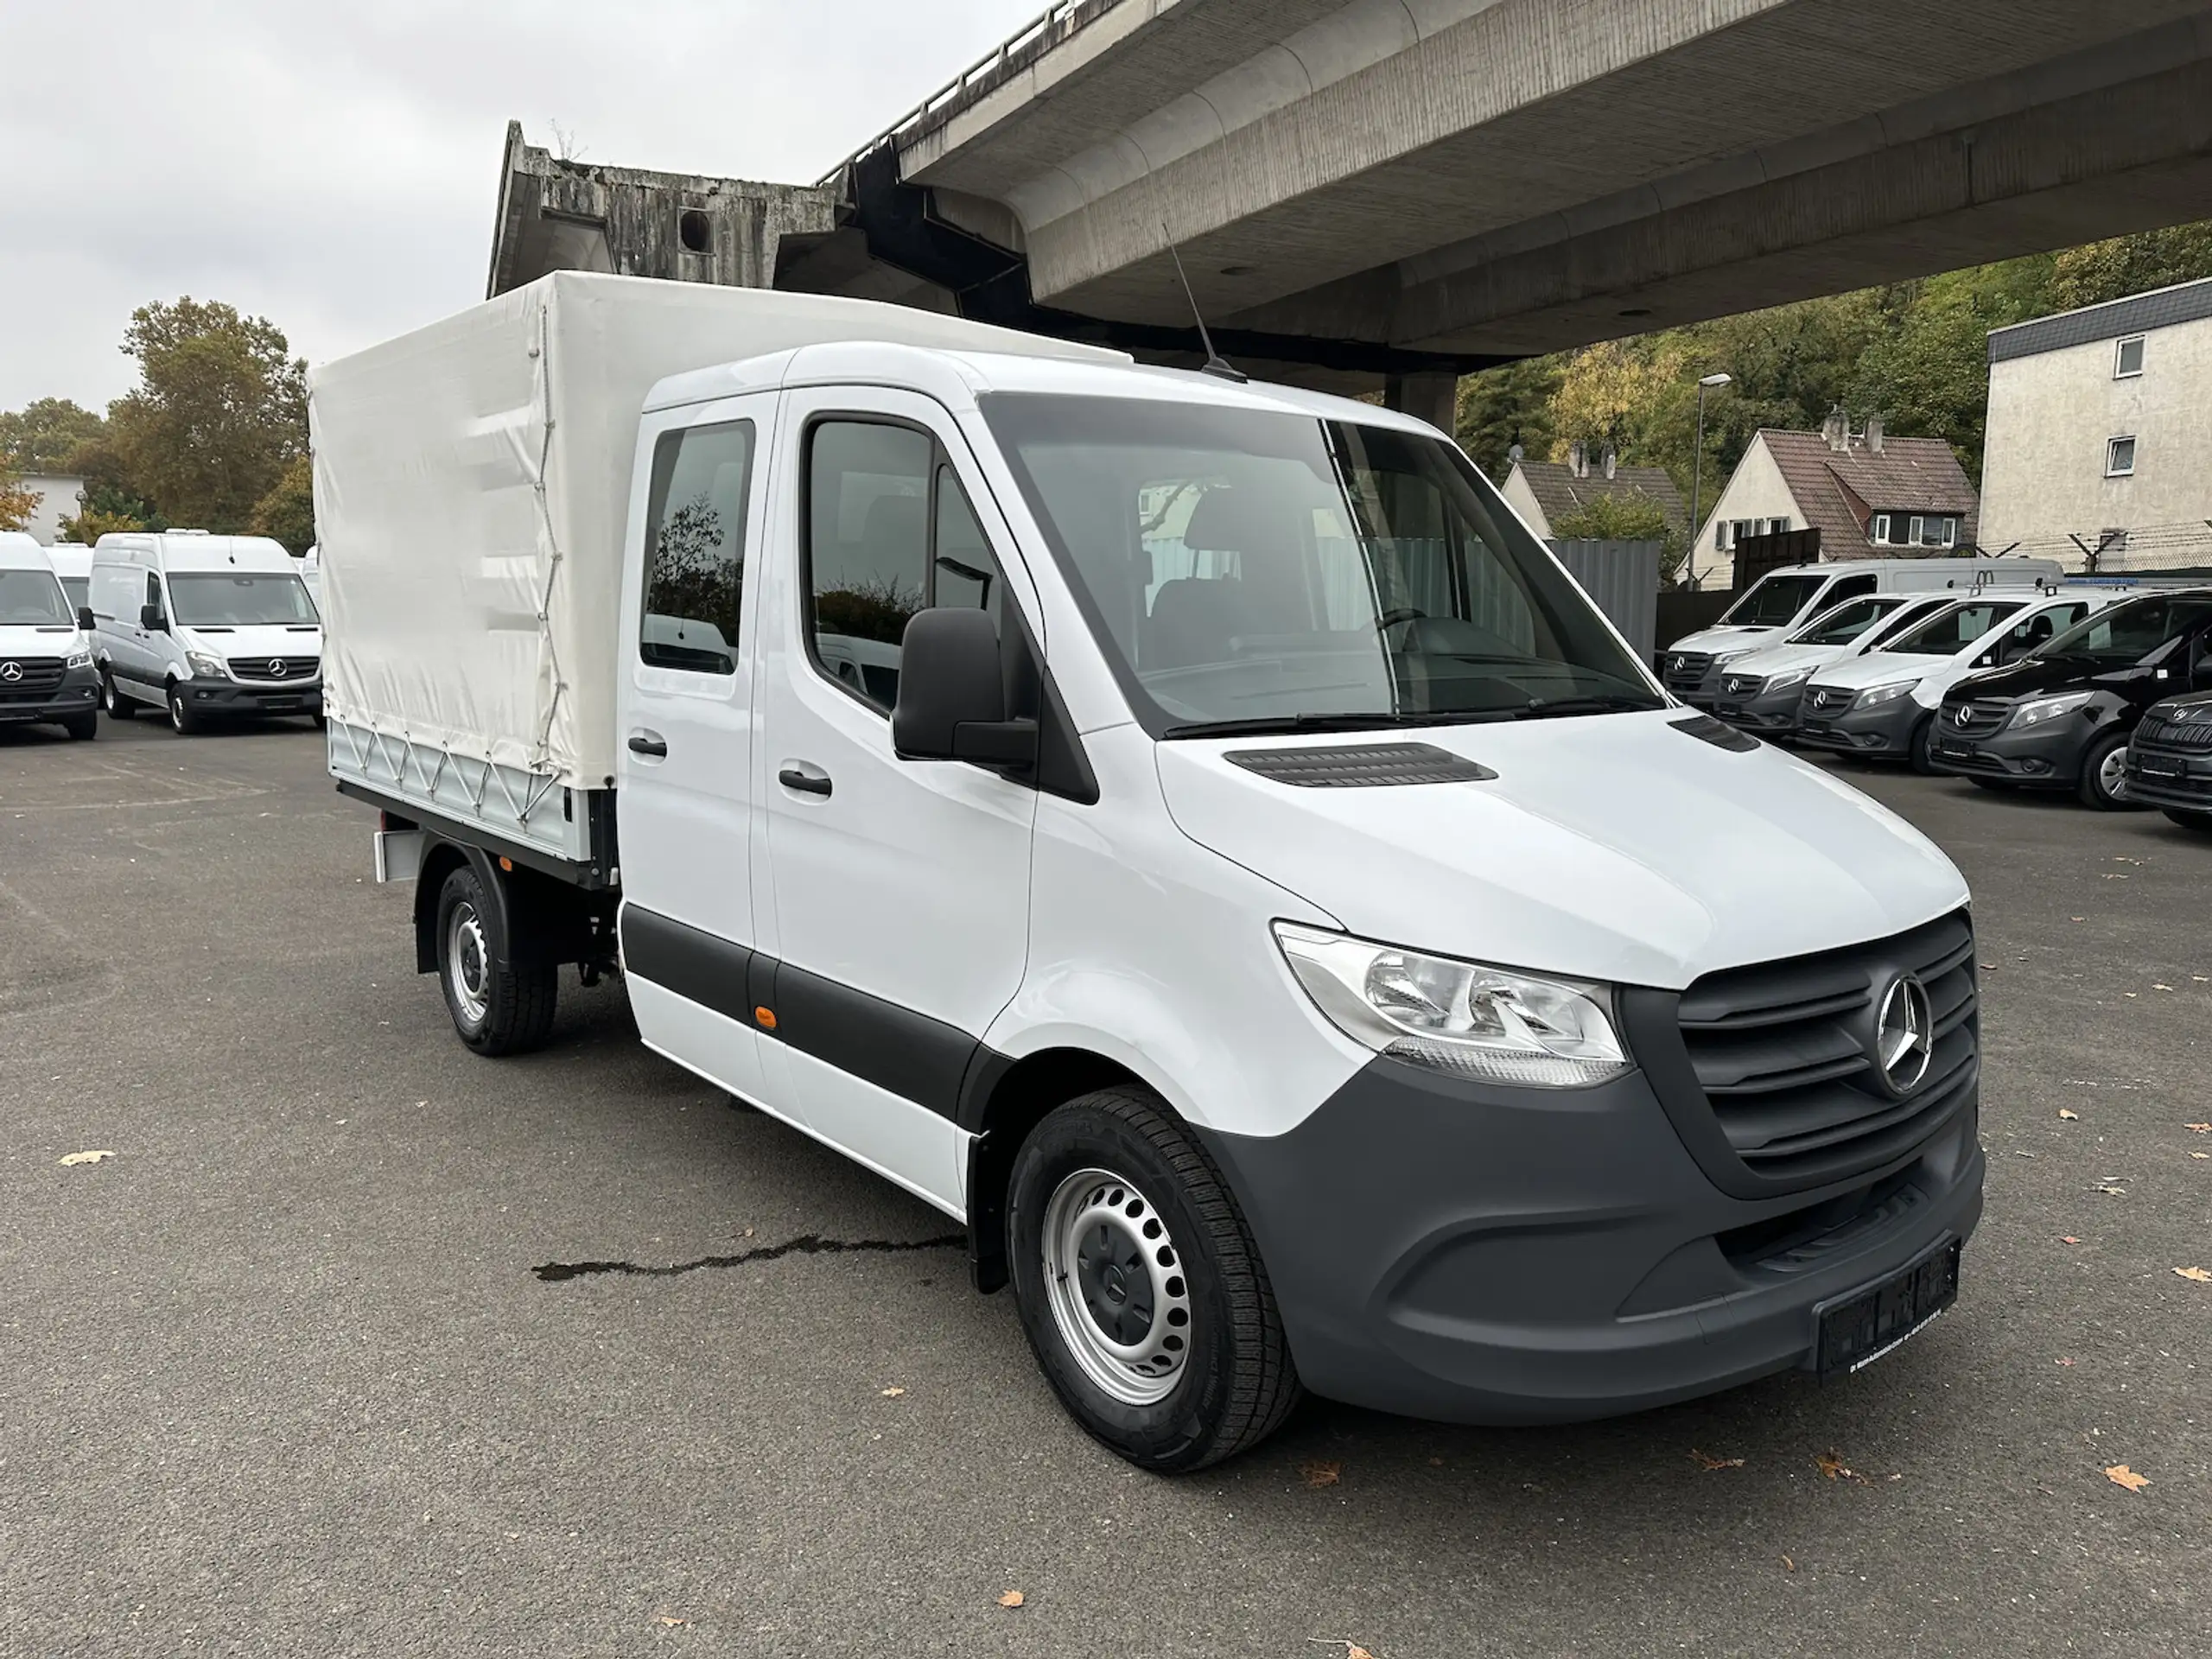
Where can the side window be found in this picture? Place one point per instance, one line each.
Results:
(153, 592)
(889, 532)
(1850, 587)
(695, 548)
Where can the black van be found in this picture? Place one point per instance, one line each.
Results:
(2061, 718)
(2169, 761)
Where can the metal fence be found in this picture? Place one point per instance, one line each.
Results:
(1622, 579)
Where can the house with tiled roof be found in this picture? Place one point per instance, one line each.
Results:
(1545, 492)
(1870, 495)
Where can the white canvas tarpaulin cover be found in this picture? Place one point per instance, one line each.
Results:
(472, 488)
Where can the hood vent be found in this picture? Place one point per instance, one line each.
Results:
(1706, 729)
(1372, 766)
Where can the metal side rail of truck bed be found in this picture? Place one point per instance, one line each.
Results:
(535, 820)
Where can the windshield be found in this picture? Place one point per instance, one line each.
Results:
(1247, 569)
(79, 588)
(1844, 624)
(1951, 631)
(1906, 616)
(2125, 633)
(32, 599)
(223, 600)
(1772, 601)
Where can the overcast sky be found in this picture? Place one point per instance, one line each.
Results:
(333, 167)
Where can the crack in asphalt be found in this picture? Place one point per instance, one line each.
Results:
(805, 1244)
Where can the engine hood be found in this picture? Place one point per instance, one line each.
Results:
(1608, 847)
(2038, 676)
(1781, 659)
(250, 641)
(1715, 640)
(46, 640)
(1879, 668)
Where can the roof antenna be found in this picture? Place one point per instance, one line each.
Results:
(1215, 363)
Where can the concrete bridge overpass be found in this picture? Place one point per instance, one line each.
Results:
(1413, 188)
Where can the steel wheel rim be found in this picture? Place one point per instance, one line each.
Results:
(1116, 1283)
(176, 709)
(469, 964)
(2112, 774)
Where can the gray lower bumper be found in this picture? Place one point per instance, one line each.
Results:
(1884, 729)
(1475, 1254)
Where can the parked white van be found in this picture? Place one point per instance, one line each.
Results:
(1783, 601)
(73, 564)
(1883, 704)
(207, 627)
(46, 661)
(1761, 690)
(1272, 908)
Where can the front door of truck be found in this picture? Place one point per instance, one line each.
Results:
(686, 763)
(901, 888)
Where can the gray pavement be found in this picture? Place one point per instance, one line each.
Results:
(278, 1376)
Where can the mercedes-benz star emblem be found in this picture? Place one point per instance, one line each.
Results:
(1904, 1035)
(275, 668)
(11, 671)
(1961, 716)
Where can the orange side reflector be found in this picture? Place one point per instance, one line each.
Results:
(506, 864)
(766, 1017)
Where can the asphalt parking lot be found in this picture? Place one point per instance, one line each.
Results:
(279, 1377)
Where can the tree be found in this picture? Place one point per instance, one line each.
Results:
(287, 512)
(1626, 517)
(40, 437)
(17, 504)
(2131, 264)
(1504, 406)
(220, 412)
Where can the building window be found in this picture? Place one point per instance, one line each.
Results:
(1939, 532)
(1720, 535)
(2128, 360)
(1880, 533)
(1912, 534)
(2120, 458)
(1779, 526)
(1950, 532)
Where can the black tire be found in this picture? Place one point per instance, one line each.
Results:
(118, 706)
(317, 718)
(2200, 822)
(82, 729)
(2094, 786)
(501, 999)
(183, 720)
(2001, 784)
(1923, 761)
(1234, 1384)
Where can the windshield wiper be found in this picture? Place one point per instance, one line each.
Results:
(1608, 703)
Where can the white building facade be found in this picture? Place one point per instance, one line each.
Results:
(58, 499)
(2100, 444)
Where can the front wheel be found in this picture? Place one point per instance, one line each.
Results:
(119, 707)
(82, 727)
(2200, 822)
(1923, 758)
(2104, 773)
(501, 1003)
(1140, 1287)
(182, 715)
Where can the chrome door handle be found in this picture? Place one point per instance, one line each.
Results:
(805, 782)
(649, 743)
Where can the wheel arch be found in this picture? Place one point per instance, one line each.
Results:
(440, 860)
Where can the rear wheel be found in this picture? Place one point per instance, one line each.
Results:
(501, 1001)
(82, 727)
(182, 717)
(1141, 1288)
(2104, 773)
(2200, 822)
(119, 707)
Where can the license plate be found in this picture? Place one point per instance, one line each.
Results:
(1956, 750)
(1812, 728)
(2154, 767)
(1729, 711)
(278, 705)
(1860, 1329)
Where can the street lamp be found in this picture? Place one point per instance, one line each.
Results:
(1709, 383)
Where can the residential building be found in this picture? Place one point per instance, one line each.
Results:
(1869, 496)
(58, 499)
(1545, 492)
(2101, 434)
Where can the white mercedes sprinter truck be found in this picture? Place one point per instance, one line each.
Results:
(1190, 831)
(46, 661)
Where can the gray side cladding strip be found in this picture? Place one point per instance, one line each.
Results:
(909, 1054)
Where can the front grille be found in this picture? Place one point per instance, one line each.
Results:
(1825, 701)
(280, 669)
(1972, 719)
(1686, 669)
(23, 679)
(1784, 1053)
(2192, 736)
(1743, 685)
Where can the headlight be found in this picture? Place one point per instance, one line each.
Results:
(1787, 677)
(81, 657)
(1720, 656)
(1882, 694)
(1459, 1018)
(206, 662)
(2039, 711)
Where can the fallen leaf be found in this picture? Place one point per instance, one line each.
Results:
(2116, 1191)
(86, 1157)
(2201, 1129)
(2130, 996)
(2070, 1117)
(671, 1620)
(1831, 1463)
(2162, 987)
(1322, 1474)
(2077, 919)
(2200, 1154)
(2121, 1475)
(2195, 1276)
(1011, 1598)
(2062, 1362)
(1990, 966)
(1789, 1565)
(1352, 1649)
(1704, 1462)
(2114, 875)
(2068, 1238)
(1438, 1463)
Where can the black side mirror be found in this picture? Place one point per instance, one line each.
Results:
(151, 620)
(84, 622)
(952, 695)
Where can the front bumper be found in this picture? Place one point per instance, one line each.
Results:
(78, 694)
(1769, 713)
(1885, 728)
(2049, 753)
(2171, 778)
(216, 697)
(1471, 1253)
